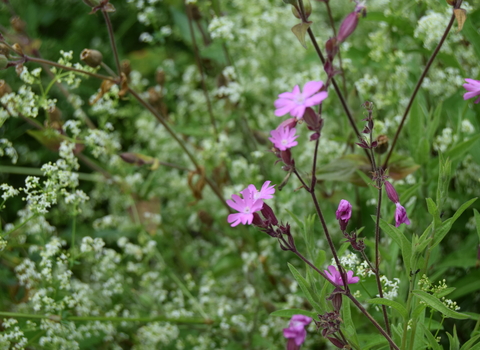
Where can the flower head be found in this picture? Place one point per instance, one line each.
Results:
(296, 102)
(344, 213)
(283, 138)
(266, 192)
(473, 88)
(296, 329)
(335, 277)
(246, 206)
(401, 215)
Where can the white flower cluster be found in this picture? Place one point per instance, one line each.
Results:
(443, 141)
(23, 102)
(390, 288)
(221, 28)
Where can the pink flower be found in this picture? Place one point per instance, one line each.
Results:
(473, 88)
(246, 206)
(335, 277)
(401, 215)
(296, 329)
(283, 138)
(296, 102)
(344, 213)
(266, 192)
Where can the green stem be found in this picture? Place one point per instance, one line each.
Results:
(19, 225)
(10, 169)
(409, 305)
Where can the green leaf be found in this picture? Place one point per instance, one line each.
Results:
(393, 304)
(348, 321)
(462, 148)
(468, 344)
(436, 304)
(300, 30)
(454, 342)
(444, 177)
(477, 222)
(431, 339)
(445, 292)
(399, 238)
(305, 288)
(344, 169)
(445, 227)
(290, 312)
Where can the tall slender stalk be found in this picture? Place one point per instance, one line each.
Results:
(201, 71)
(112, 41)
(420, 81)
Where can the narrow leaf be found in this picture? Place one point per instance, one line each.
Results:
(436, 304)
(305, 288)
(477, 222)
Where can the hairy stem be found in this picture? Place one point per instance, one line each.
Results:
(112, 41)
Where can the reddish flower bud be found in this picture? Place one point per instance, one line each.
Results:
(344, 213)
(348, 26)
(268, 213)
(391, 192)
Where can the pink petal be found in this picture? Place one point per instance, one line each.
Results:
(281, 102)
(296, 90)
(470, 87)
(316, 99)
(469, 95)
(473, 82)
(237, 203)
(284, 110)
(287, 95)
(298, 111)
(311, 88)
(234, 219)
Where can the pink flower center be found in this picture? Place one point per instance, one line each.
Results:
(299, 99)
(284, 142)
(246, 210)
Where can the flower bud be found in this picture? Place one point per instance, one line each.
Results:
(18, 49)
(17, 24)
(4, 88)
(3, 62)
(268, 213)
(348, 26)
(92, 58)
(307, 7)
(343, 213)
(391, 192)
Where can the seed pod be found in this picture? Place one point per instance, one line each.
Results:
(92, 58)
(4, 50)
(3, 62)
(4, 88)
(126, 68)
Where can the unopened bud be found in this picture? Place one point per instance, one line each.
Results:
(451, 2)
(92, 58)
(307, 6)
(4, 88)
(3, 62)
(382, 144)
(391, 192)
(348, 26)
(331, 46)
(18, 49)
(268, 213)
(17, 24)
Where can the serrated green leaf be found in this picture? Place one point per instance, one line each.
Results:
(290, 312)
(436, 304)
(393, 304)
(305, 288)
